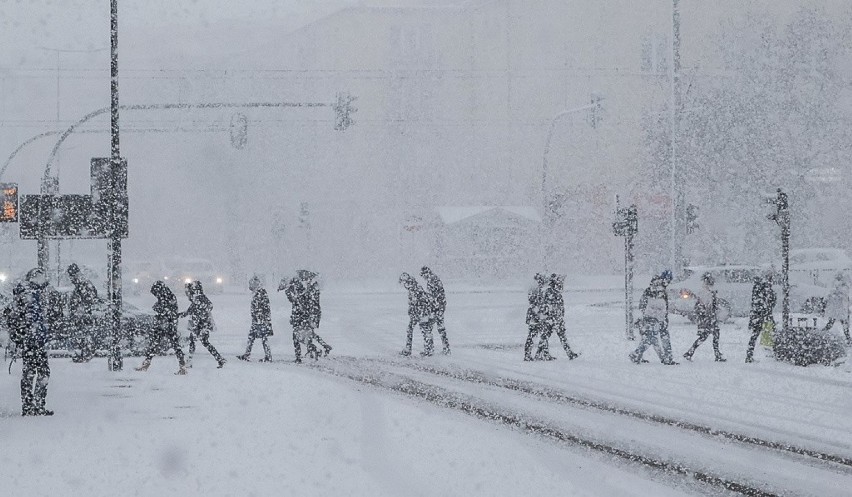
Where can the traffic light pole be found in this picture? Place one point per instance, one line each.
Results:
(782, 218)
(627, 225)
(114, 272)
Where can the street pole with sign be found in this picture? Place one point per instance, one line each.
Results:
(627, 225)
(781, 216)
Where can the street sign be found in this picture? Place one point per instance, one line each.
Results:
(9, 203)
(109, 196)
(57, 217)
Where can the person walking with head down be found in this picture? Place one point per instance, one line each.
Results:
(81, 307)
(435, 290)
(200, 315)
(706, 309)
(261, 320)
(535, 311)
(165, 326)
(554, 320)
(420, 312)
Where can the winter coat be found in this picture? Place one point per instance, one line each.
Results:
(706, 309)
(82, 302)
(554, 307)
(200, 313)
(165, 312)
(654, 304)
(436, 292)
(313, 303)
(837, 303)
(31, 310)
(762, 300)
(419, 303)
(536, 309)
(261, 315)
(297, 293)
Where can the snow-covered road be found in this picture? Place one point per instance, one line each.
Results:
(479, 422)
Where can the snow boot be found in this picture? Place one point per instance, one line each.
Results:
(634, 358)
(43, 412)
(181, 370)
(145, 365)
(244, 357)
(446, 351)
(719, 358)
(326, 351)
(688, 356)
(405, 353)
(222, 362)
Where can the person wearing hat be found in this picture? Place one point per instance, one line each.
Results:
(313, 306)
(165, 327)
(435, 290)
(762, 303)
(837, 305)
(32, 305)
(261, 320)
(706, 309)
(419, 312)
(535, 318)
(81, 308)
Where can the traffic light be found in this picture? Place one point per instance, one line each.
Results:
(626, 221)
(596, 111)
(691, 219)
(9, 205)
(344, 110)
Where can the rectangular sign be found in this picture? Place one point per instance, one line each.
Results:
(8, 202)
(58, 217)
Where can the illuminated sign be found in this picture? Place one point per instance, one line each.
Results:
(9, 206)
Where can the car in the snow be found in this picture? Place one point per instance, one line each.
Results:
(734, 284)
(818, 266)
(138, 276)
(186, 270)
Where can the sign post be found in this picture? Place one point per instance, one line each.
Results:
(627, 225)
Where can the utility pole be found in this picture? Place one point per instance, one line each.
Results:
(627, 225)
(781, 216)
(118, 173)
(675, 106)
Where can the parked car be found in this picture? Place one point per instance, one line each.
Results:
(203, 270)
(734, 284)
(818, 266)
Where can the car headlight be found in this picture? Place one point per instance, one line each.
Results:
(2, 277)
(187, 280)
(218, 281)
(135, 281)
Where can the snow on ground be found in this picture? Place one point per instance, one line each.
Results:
(280, 428)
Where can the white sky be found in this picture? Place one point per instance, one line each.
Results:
(84, 24)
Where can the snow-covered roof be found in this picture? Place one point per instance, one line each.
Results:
(454, 214)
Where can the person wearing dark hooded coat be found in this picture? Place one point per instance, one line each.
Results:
(706, 315)
(81, 308)
(200, 313)
(535, 297)
(762, 303)
(261, 320)
(31, 308)
(654, 325)
(420, 313)
(554, 320)
(314, 311)
(301, 318)
(165, 326)
(435, 290)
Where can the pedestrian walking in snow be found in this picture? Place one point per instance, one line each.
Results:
(165, 326)
(706, 309)
(313, 307)
(200, 314)
(301, 314)
(762, 303)
(535, 313)
(837, 305)
(81, 306)
(261, 320)
(435, 291)
(554, 319)
(420, 313)
(29, 315)
(653, 326)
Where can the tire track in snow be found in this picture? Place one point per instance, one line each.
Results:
(555, 395)
(469, 405)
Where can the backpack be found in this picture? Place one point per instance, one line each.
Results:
(17, 334)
